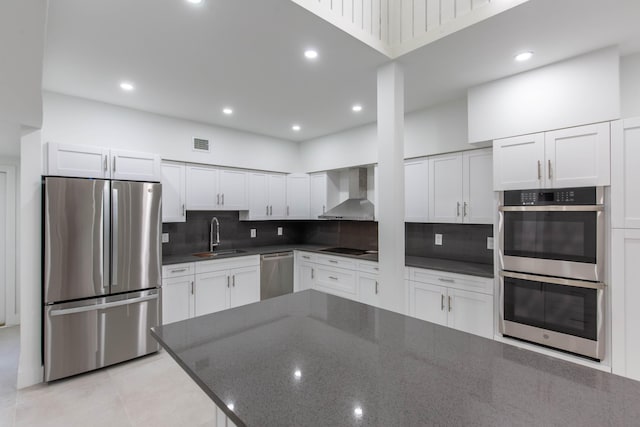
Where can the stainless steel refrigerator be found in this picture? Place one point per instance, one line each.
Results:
(102, 263)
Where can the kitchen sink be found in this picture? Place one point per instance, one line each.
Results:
(218, 253)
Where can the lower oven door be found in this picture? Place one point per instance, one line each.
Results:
(559, 313)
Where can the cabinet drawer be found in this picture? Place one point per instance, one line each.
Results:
(227, 263)
(305, 256)
(336, 279)
(368, 267)
(177, 270)
(453, 280)
(336, 261)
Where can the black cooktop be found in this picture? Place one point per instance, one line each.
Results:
(346, 251)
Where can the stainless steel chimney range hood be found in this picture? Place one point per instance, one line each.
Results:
(356, 207)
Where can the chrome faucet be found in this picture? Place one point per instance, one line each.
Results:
(216, 242)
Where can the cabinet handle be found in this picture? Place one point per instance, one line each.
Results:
(233, 280)
(539, 171)
(305, 257)
(549, 171)
(465, 207)
(442, 279)
(457, 208)
(228, 282)
(449, 303)
(333, 278)
(312, 275)
(184, 212)
(441, 302)
(323, 208)
(267, 213)
(222, 199)
(192, 287)
(333, 261)
(376, 268)
(106, 164)
(376, 287)
(287, 210)
(218, 199)
(114, 163)
(178, 270)
(271, 210)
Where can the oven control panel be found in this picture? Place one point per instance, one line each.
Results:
(561, 196)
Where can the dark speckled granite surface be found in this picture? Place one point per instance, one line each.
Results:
(311, 359)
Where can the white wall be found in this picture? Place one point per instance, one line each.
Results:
(436, 130)
(9, 140)
(74, 120)
(630, 85)
(578, 91)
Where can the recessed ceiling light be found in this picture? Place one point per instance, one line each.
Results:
(194, 1)
(358, 411)
(228, 111)
(310, 54)
(357, 108)
(126, 86)
(524, 56)
(296, 128)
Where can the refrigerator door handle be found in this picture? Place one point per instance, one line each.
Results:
(106, 225)
(63, 311)
(114, 238)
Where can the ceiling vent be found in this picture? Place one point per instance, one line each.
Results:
(201, 145)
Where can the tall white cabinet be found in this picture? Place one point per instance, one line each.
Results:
(298, 196)
(267, 196)
(416, 196)
(174, 191)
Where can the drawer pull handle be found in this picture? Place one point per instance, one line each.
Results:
(178, 270)
(441, 302)
(442, 279)
(333, 278)
(376, 287)
(333, 261)
(312, 274)
(305, 257)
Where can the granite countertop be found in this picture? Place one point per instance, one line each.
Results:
(312, 359)
(452, 266)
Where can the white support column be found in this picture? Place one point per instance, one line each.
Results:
(390, 199)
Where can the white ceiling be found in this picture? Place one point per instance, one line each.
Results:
(191, 61)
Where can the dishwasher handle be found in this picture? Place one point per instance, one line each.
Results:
(277, 255)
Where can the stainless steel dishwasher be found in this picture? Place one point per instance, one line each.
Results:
(276, 274)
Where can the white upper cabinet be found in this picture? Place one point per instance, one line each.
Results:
(277, 185)
(445, 188)
(98, 162)
(518, 162)
(210, 188)
(173, 192)
(460, 188)
(573, 157)
(298, 188)
(317, 194)
(416, 195)
(625, 173)
(267, 196)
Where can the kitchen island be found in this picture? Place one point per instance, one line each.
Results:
(312, 359)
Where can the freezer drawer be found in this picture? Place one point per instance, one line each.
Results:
(85, 335)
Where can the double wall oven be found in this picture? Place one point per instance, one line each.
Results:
(551, 255)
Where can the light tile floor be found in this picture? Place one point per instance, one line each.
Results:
(150, 391)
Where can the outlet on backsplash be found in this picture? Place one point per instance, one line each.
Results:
(438, 240)
(279, 231)
(490, 243)
(253, 233)
(165, 237)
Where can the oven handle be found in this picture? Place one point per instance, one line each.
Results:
(583, 208)
(554, 280)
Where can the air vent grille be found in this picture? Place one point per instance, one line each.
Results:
(201, 145)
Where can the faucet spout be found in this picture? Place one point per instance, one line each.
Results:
(214, 240)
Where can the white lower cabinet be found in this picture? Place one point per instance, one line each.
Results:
(368, 289)
(245, 286)
(177, 299)
(211, 292)
(457, 301)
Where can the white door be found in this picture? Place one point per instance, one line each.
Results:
(202, 188)
(625, 173)
(318, 195)
(470, 312)
(578, 157)
(8, 290)
(428, 302)
(478, 207)
(77, 160)
(298, 196)
(258, 196)
(518, 162)
(173, 192)
(177, 299)
(369, 289)
(277, 196)
(233, 190)
(3, 248)
(135, 166)
(445, 188)
(416, 190)
(245, 286)
(211, 292)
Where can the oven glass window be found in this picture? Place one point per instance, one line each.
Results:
(561, 236)
(566, 309)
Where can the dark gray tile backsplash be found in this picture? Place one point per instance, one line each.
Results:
(463, 242)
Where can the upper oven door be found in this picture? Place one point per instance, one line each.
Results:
(563, 241)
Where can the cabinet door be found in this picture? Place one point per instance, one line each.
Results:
(177, 299)
(135, 166)
(518, 162)
(478, 206)
(258, 196)
(245, 286)
(211, 292)
(202, 188)
(277, 196)
(232, 187)
(336, 281)
(305, 275)
(77, 160)
(318, 195)
(298, 196)
(416, 198)
(625, 173)
(368, 289)
(428, 302)
(578, 157)
(625, 294)
(470, 312)
(445, 188)
(173, 192)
